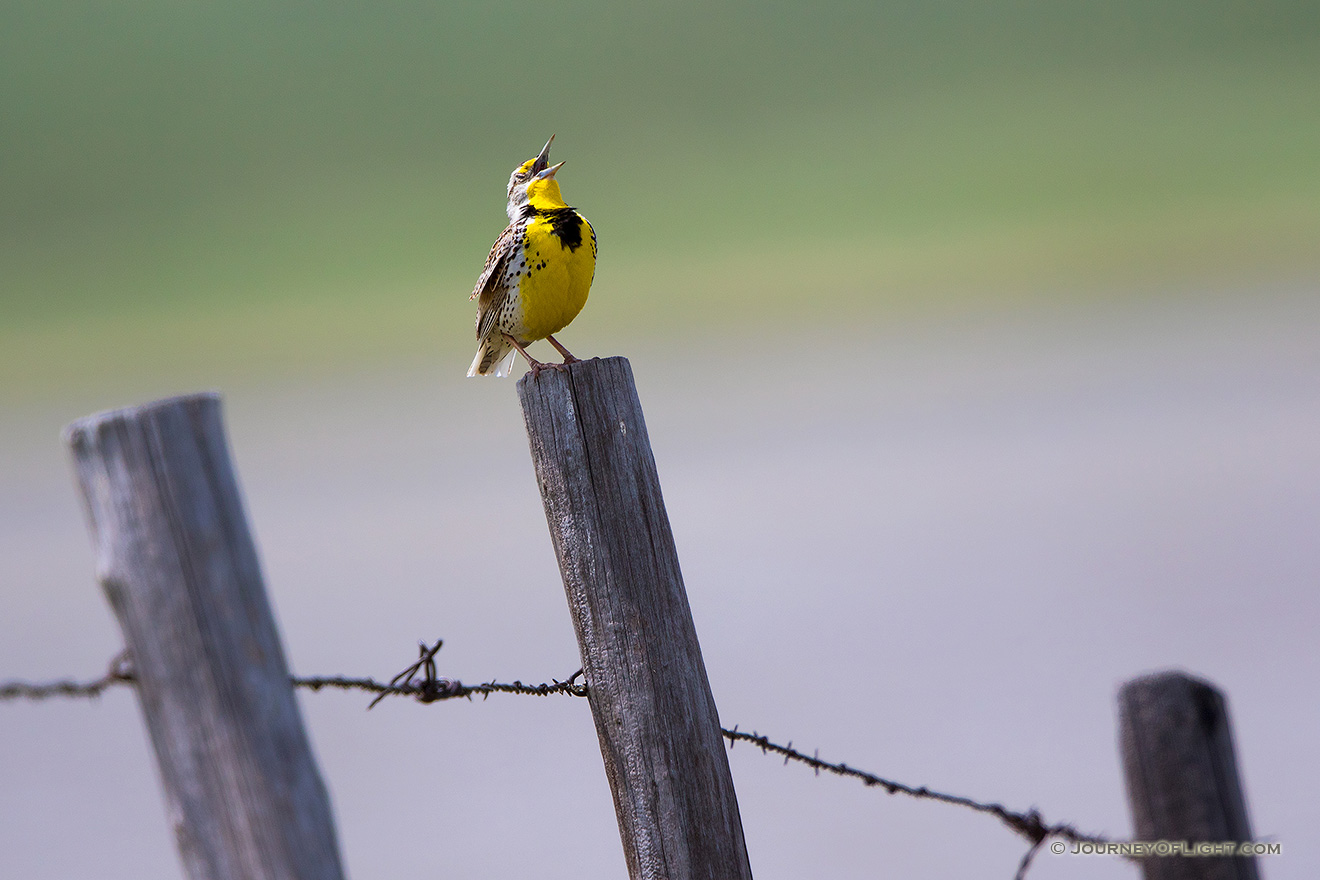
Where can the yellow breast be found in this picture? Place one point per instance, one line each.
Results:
(561, 261)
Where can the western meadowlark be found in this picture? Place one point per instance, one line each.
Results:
(538, 273)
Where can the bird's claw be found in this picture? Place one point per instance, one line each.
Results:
(539, 367)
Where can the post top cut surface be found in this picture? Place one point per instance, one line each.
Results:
(92, 423)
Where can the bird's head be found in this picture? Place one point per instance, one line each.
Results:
(522, 176)
(543, 190)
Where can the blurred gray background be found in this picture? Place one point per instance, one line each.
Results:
(979, 346)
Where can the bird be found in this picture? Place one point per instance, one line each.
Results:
(538, 274)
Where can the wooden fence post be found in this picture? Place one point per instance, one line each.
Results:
(655, 717)
(1182, 777)
(177, 563)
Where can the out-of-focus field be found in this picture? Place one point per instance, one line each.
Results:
(980, 350)
(193, 192)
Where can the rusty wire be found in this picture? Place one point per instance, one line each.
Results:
(1030, 824)
(431, 688)
(119, 672)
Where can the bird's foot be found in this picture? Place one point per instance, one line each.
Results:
(538, 367)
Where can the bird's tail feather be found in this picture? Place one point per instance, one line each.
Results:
(494, 358)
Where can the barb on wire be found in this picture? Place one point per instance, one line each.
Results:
(441, 689)
(1026, 859)
(431, 688)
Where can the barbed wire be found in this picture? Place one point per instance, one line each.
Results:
(429, 689)
(1030, 824)
(442, 689)
(119, 672)
(421, 682)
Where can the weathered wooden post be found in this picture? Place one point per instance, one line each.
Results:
(177, 563)
(655, 716)
(1182, 777)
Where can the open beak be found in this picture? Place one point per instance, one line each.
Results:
(543, 158)
(549, 172)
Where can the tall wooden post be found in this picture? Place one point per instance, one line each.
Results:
(1182, 777)
(178, 565)
(655, 717)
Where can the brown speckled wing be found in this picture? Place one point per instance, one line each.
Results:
(491, 288)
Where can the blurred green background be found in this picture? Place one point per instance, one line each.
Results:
(978, 343)
(197, 192)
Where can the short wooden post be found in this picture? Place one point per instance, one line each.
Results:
(656, 719)
(1182, 777)
(178, 565)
